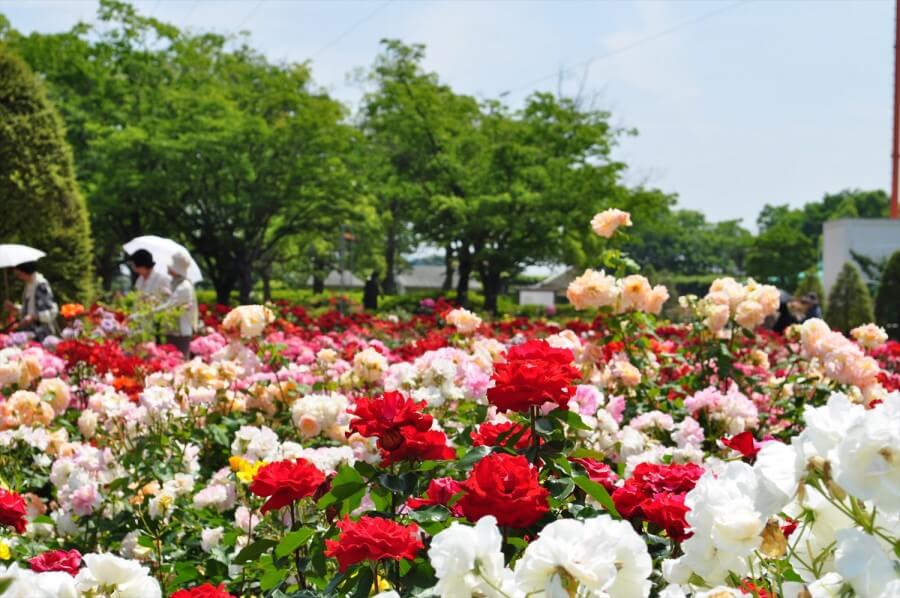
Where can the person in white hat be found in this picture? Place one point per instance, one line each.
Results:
(184, 299)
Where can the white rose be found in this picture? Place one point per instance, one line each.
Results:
(468, 560)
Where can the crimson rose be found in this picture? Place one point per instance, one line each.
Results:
(501, 434)
(207, 590)
(12, 510)
(505, 486)
(373, 539)
(68, 561)
(439, 492)
(534, 373)
(286, 482)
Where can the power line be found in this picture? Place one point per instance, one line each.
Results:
(191, 8)
(351, 29)
(677, 27)
(250, 14)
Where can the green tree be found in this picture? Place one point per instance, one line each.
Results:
(779, 254)
(887, 302)
(849, 301)
(42, 203)
(811, 283)
(196, 137)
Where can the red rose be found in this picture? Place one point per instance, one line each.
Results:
(745, 444)
(68, 561)
(628, 500)
(667, 511)
(675, 478)
(534, 373)
(439, 492)
(598, 471)
(505, 486)
(408, 444)
(207, 590)
(376, 417)
(373, 539)
(404, 433)
(286, 482)
(12, 510)
(656, 493)
(489, 434)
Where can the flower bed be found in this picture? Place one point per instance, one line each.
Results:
(336, 454)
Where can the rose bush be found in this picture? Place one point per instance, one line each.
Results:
(335, 453)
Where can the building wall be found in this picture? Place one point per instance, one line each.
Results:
(875, 238)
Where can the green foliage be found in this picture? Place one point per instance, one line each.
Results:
(849, 302)
(811, 283)
(42, 205)
(779, 254)
(887, 303)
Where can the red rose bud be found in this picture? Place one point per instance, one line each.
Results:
(745, 444)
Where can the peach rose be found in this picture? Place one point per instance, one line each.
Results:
(463, 320)
(869, 336)
(592, 290)
(607, 222)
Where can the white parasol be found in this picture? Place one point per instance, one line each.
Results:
(162, 250)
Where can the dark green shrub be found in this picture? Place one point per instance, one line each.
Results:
(42, 205)
(849, 302)
(887, 302)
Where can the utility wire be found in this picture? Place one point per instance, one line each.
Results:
(677, 27)
(350, 29)
(250, 14)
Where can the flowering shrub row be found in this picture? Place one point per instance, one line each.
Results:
(350, 455)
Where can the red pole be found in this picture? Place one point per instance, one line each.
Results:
(895, 149)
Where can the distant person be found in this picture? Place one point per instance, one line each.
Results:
(38, 311)
(370, 292)
(151, 281)
(785, 316)
(183, 299)
(811, 307)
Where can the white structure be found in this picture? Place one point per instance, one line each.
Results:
(533, 297)
(876, 238)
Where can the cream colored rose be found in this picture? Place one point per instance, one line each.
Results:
(56, 391)
(369, 365)
(463, 320)
(592, 290)
(749, 314)
(248, 321)
(869, 336)
(607, 222)
(635, 291)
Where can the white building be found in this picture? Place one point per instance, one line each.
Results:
(876, 238)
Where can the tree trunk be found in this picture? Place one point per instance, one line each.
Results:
(448, 268)
(246, 283)
(389, 285)
(492, 284)
(223, 290)
(267, 283)
(318, 284)
(465, 272)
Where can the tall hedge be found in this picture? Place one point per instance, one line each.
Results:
(811, 283)
(42, 205)
(849, 302)
(887, 302)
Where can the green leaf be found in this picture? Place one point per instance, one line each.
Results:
(292, 541)
(431, 514)
(253, 551)
(272, 578)
(364, 583)
(474, 456)
(598, 493)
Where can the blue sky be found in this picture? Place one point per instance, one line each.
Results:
(737, 104)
